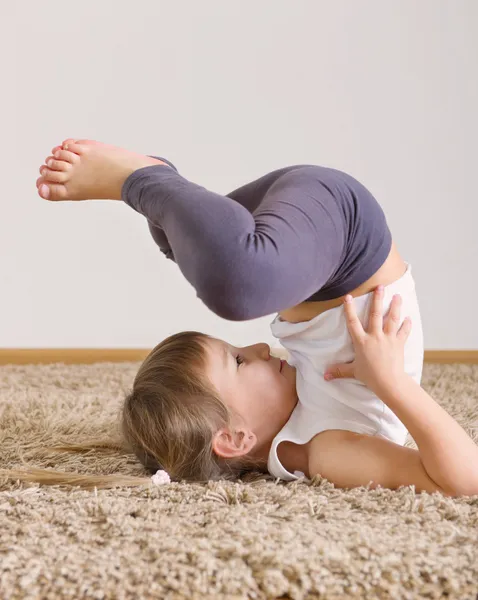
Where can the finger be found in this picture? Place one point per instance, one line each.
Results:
(353, 322)
(405, 329)
(392, 320)
(375, 317)
(339, 371)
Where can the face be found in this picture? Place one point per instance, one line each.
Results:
(254, 385)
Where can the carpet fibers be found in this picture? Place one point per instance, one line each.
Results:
(231, 540)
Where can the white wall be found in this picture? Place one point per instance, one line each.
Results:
(387, 91)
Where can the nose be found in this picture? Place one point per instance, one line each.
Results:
(260, 351)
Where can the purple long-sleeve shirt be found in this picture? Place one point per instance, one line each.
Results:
(300, 233)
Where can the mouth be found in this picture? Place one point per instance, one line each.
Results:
(281, 365)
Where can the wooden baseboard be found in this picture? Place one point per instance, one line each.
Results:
(469, 357)
(20, 356)
(69, 356)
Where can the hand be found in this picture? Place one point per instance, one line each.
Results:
(379, 351)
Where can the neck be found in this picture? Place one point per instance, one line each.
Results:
(261, 450)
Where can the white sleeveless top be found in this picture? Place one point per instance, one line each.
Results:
(343, 403)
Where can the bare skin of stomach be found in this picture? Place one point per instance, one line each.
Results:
(392, 269)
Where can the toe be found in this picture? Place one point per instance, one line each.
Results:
(72, 147)
(44, 191)
(54, 176)
(52, 191)
(57, 165)
(69, 141)
(67, 156)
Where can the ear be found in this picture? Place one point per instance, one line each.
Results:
(229, 443)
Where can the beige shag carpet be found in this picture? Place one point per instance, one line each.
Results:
(262, 539)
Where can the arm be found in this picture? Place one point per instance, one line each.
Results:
(447, 457)
(448, 454)
(243, 265)
(351, 460)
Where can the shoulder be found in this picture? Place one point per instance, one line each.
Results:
(327, 448)
(333, 436)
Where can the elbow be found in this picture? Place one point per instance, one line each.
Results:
(466, 489)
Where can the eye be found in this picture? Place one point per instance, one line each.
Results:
(239, 360)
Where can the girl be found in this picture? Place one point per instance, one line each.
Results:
(300, 241)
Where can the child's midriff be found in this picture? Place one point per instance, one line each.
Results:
(392, 269)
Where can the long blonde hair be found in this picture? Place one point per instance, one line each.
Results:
(168, 421)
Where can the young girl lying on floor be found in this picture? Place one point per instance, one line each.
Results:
(300, 241)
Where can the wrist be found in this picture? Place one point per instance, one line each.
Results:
(391, 383)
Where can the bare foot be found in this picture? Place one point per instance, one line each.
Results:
(84, 170)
